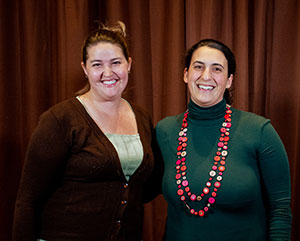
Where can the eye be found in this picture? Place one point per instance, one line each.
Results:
(117, 62)
(198, 66)
(96, 64)
(217, 69)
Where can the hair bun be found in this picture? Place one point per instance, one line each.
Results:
(119, 28)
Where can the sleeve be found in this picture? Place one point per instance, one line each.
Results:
(153, 186)
(43, 167)
(274, 168)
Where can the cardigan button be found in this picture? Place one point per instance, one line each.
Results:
(123, 202)
(125, 185)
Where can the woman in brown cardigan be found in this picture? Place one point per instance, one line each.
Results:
(90, 157)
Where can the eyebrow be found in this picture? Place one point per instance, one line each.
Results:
(214, 64)
(99, 60)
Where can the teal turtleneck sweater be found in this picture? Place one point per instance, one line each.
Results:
(253, 202)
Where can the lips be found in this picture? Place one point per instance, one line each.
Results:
(109, 82)
(205, 87)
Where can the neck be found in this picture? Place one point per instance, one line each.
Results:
(110, 107)
(199, 113)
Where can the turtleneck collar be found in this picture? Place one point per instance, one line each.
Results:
(198, 113)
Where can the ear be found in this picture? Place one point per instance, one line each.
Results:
(229, 82)
(185, 72)
(84, 69)
(129, 63)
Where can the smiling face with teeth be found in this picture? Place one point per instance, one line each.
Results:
(107, 70)
(207, 76)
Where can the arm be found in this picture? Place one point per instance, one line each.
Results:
(43, 167)
(274, 169)
(153, 186)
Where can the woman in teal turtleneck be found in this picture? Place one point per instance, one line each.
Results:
(226, 171)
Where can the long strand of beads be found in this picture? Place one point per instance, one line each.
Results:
(215, 174)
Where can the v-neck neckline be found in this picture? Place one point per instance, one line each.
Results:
(104, 139)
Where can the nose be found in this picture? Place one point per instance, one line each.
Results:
(107, 71)
(206, 75)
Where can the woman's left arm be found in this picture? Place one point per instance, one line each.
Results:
(275, 173)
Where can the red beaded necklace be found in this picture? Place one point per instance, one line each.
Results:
(216, 171)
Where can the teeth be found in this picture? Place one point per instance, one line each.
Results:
(109, 82)
(205, 87)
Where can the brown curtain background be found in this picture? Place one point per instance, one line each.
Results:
(40, 66)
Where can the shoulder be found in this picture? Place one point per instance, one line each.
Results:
(64, 109)
(139, 110)
(143, 118)
(169, 122)
(249, 118)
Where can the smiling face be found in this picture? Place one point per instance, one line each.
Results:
(207, 76)
(107, 70)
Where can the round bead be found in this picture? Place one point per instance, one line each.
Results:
(211, 200)
(223, 130)
(201, 213)
(217, 158)
(212, 173)
(224, 153)
(193, 197)
(221, 168)
(183, 153)
(217, 184)
(220, 144)
(185, 183)
(180, 192)
(205, 190)
(183, 168)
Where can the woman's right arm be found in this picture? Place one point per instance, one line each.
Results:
(45, 159)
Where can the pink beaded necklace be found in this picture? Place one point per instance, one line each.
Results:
(216, 171)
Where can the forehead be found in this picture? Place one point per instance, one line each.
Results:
(105, 49)
(209, 55)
